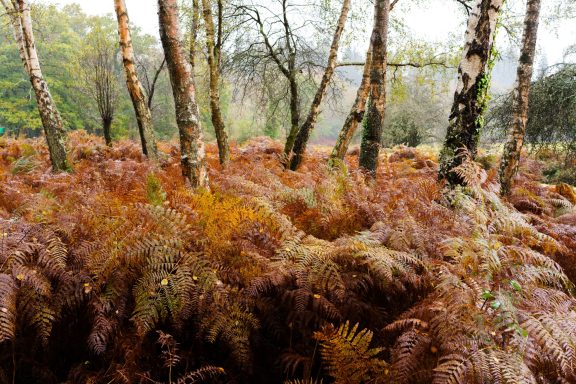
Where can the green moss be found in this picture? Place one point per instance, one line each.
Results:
(483, 85)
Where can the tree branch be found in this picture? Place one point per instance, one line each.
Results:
(408, 64)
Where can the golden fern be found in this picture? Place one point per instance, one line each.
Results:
(348, 357)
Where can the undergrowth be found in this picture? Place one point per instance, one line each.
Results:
(118, 273)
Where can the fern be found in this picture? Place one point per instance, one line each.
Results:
(347, 356)
(8, 295)
(201, 375)
(169, 279)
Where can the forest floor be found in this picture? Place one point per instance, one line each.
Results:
(117, 272)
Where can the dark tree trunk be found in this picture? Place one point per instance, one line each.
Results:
(193, 159)
(294, 114)
(513, 147)
(107, 130)
(372, 135)
(306, 128)
(213, 48)
(470, 98)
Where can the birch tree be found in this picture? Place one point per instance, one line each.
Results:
(214, 48)
(372, 135)
(517, 131)
(135, 89)
(21, 20)
(306, 128)
(193, 158)
(355, 115)
(470, 98)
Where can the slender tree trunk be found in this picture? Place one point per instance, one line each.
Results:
(291, 75)
(355, 116)
(372, 135)
(51, 121)
(306, 128)
(107, 129)
(294, 113)
(152, 88)
(513, 147)
(194, 34)
(214, 64)
(470, 98)
(135, 89)
(193, 158)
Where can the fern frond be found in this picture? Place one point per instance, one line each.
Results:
(347, 356)
(8, 295)
(200, 375)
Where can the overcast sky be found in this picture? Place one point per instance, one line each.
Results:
(432, 22)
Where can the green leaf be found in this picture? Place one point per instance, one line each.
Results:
(521, 331)
(515, 285)
(486, 295)
(495, 304)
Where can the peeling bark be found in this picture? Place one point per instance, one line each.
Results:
(513, 147)
(306, 128)
(372, 135)
(470, 96)
(193, 157)
(135, 89)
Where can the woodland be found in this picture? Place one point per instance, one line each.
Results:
(273, 191)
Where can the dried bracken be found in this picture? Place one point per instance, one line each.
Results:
(120, 273)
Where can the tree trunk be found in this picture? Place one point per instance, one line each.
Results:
(194, 35)
(513, 147)
(291, 75)
(294, 114)
(306, 128)
(107, 130)
(135, 89)
(193, 158)
(354, 117)
(372, 135)
(213, 49)
(470, 98)
(51, 121)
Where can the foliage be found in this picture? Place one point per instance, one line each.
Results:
(551, 114)
(402, 130)
(129, 276)
(65, 39)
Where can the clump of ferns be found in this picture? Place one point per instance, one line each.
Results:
(314, 282)
(162, 282)
(487, 321)
(38, 291)
(126, 256)
(482, 323)
(36, 282)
